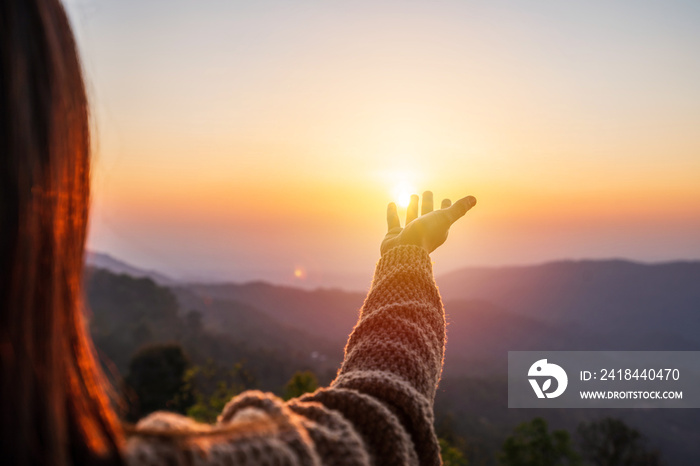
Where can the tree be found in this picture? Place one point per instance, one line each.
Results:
(452, 446)
(208, 408)
(300, 383)
(214, 386)
(611, 442)
(533, 445)
(451, 456)
(156, 381)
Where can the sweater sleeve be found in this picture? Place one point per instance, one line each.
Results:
(393, 361)
(378, 410)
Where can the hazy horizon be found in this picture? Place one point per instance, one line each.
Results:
(265, 139)
(358, 282)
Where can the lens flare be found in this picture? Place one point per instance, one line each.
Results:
(299, 273)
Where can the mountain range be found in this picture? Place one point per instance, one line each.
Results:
(566, 305)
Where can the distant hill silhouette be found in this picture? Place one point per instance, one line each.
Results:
(101, 260)
(620, 304)
(566, 305)
(126, 313)
(584, 305)
(248, 324)
(328, 312)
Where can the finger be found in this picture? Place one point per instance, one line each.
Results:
(427, 204)
(392, 217)
(445, 203)
(412, 210)
(459, 208)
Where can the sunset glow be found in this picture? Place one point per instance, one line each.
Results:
(270, 134)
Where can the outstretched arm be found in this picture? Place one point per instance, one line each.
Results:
(393, 358)
(379, 409)
(401, 329)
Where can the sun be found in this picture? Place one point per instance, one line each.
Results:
(402, 194)
(403, 198)
(401, 185)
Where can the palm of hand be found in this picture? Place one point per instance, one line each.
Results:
(428, 231)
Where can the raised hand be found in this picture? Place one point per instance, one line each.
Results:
(429, 230)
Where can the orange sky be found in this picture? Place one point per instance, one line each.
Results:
(239, 141)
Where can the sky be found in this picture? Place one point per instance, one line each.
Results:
(262, 140)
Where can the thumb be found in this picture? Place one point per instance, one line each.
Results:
(459, 208)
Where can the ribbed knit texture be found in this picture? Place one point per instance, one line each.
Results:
(378, 410)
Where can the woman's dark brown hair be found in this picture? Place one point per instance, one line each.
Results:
(54, 408)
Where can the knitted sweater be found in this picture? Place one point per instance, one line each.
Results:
(378, 410)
